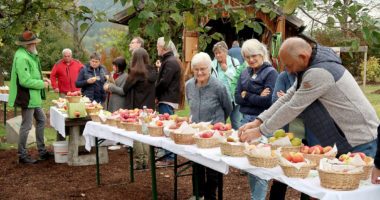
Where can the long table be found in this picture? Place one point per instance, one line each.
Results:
(4, 99)
(212, 158)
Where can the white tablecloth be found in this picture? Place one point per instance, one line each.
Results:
(57, 120)
(4, 97)
(95, 129)
(213, 158)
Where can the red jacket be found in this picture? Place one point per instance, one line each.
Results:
(66, 75)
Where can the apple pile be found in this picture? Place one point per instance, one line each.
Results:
(164, 116)
(129, 115)
(346, 158)
(294, 157)
(75, 93)
(279, 134)
(221, 126)
(317, 149)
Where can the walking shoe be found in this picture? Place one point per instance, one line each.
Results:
(45, 156)
(27, 160)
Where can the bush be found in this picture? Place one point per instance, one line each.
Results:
(373, 69)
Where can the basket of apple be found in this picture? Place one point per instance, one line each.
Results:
(294, 165)
(286, 141)
(224, 129)
(156, 128)
(74, 97)
(208, 139)
(361, 160)
(184, 134)
(338, 175)
(60, 102)
(261, 155)
(317, 152)
(93, 107)
(231, 146)
(129, 120)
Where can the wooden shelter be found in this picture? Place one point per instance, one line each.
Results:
(287, 26)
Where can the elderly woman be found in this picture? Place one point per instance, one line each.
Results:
(224, 68)
(209, 102)
(254, 95)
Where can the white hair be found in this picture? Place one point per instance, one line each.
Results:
(203, 58)
(67, 50)
(254, 47)
(168, 46)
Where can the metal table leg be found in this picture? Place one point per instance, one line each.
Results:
(220, 186)
(5, 113)
(97, 161)
(131, 170)
(153, 172)
(175, 177)
(196, 184)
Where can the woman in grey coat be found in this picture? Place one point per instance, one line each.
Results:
(116, 97)
(209, 102)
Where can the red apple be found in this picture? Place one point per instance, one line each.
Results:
(288, 157)
(298, 157)
(314, 150)
(166, 116)
(159, 123)
(207, 134)
(362, 155)
(218, 126)
(228, 126)
(305, 149)
(77, 114)
(327, 149)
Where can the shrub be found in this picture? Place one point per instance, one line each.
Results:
(373, 69)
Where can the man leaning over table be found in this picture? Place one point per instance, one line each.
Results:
(325, 96)
(27, 90)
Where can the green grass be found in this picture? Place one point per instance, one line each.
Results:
(50, 133)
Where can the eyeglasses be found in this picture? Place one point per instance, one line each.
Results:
(200, 69)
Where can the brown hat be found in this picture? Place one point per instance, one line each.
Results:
(27, 37)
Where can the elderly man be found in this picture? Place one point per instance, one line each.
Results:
(168, 83)
(27, 90)
(65, 73)
(136, 42)
(325, 96)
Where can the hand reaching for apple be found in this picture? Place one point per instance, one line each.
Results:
(256, 123)
(250, 134)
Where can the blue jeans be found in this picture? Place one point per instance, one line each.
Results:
(165, 108)
(258, 186)
(368, 148)
(235, 117)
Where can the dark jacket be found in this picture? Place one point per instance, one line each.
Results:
(93, 91)
(253, 103)
(140, 91)
(284, 81)
(168, 80)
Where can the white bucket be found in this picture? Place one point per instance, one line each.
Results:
(61, 149)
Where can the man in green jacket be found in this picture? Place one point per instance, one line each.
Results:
(27, 90)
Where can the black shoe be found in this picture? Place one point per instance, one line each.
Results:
(27, 160)
(47, 155)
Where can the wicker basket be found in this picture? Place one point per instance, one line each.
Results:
(315, 158)
(92, 110)
(95, 117)
(367, 172)
(287, 149)
(262, 162)
(339, 181)
(232, 150)
(132, 126)
(73, 99)
(293, 172)
(112, 122)
(183, 138)
(156, 131)
(205, 143)
(119, 124)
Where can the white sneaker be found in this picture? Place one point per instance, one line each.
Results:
(193, 198)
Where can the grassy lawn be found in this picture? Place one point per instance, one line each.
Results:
(50, 133)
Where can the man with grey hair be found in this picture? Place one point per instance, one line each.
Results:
(326, 96)
(27, 90)
(235, 51)
(168, 83)
(135, 43)
(65, 73)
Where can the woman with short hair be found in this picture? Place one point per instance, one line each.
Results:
(209, 101)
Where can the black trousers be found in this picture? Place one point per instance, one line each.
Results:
(207, 181)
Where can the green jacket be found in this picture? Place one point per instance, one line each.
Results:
(235, 79)
(27, 88)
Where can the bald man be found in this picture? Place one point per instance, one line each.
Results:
(326, 96)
